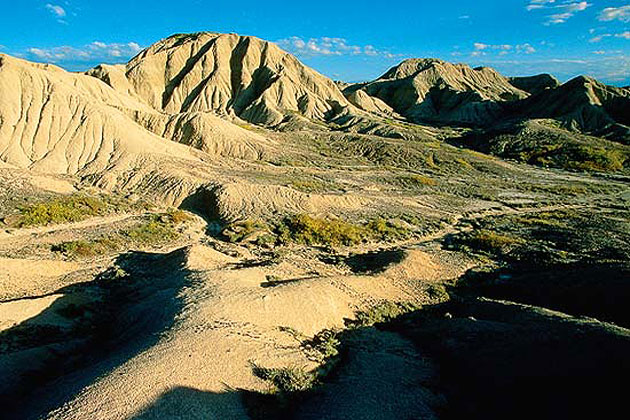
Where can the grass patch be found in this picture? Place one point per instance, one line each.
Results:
(73, 208)
(577, 157)
(464, 163)
(415, 181)
(490, 241)
(159, 228)
(308, 230)
(312, 185)
(383, 312)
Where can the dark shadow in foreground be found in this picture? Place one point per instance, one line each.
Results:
(505, 360)
(107, 322)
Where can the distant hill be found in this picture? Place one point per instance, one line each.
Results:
(535, 84)
(434, 91)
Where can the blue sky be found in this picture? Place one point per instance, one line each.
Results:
(346, 40)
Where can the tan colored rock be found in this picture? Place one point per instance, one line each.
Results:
(230, 74)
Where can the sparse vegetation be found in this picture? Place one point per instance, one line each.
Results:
(308, 230)
(159, 228)
(286, 380)
(489, 241)
(323, 346)
(242, 230)
(312, 185)
(383, 312)
(415, 181)
(73, 208)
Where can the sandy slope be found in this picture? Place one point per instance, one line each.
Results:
(230, 317)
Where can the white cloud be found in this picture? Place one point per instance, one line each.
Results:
(94, 52)
(615, 13)
(599, 38)
(56, 10)
(481, 49)
(559, 12)
(538, 4)
(329, 46)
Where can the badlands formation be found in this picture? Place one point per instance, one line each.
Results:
(215, 230)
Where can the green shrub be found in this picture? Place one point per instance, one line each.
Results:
(286, 380)
(383, 312)
(311, 231)
(84, 249)
(159, 228)
(384, 230)
(72, 208)
(598, 159)
(438, 292)
(578, 157)
(486, 240)
(324, 345)
(308, 230)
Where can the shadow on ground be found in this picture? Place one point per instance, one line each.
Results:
(375, 261)
(504, 360)
(190, 403)
(107, 322)
(600, 290)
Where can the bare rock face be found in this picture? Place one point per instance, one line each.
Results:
(535, 84)
(59, 122)
(431, 90)
(228, 74)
